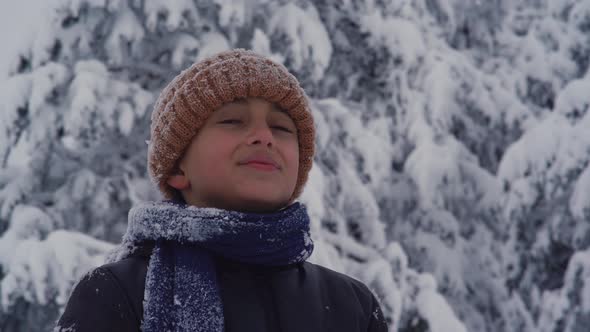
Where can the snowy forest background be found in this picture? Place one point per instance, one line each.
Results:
(452, 173)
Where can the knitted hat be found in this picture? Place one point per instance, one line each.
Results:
(188, 100)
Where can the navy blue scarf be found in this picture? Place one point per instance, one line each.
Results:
(181, 292)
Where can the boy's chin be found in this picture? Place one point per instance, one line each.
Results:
(260, 203)
(245, 200)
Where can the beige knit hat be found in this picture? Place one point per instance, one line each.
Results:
(186, 103)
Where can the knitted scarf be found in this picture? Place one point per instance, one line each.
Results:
(181, 292)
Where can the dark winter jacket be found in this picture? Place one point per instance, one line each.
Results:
(298, 297)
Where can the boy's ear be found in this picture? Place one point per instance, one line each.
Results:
(178, 180)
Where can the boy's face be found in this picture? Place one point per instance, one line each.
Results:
(215, 172)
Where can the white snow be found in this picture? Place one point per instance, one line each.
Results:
(186, 44)
(212, 43)
(462, 153)
(176, 13)
(261, 45)
(579, 203)
(41, 264)
(309, 40)
(401, 36)
(16, 33)
(127, 32)
(432, 306)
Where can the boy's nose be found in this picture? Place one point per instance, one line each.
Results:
(261, 134)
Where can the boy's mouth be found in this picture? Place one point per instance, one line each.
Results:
(261, 161)
(261, 166)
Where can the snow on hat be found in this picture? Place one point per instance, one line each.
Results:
(187, 101)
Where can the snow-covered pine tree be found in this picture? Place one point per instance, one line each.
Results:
(76, 118)
(544, 173)
(451, 151)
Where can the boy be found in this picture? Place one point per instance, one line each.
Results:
(232, 143)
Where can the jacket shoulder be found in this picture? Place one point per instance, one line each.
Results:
(347, 288)
(340, 281)
(98, 303)
(130, 274)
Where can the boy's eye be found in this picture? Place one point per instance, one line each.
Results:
(231, 121)
(283, 129)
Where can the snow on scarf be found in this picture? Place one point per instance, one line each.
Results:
(181, 292)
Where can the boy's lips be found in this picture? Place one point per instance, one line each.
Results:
(261, 161)
(260, 166)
